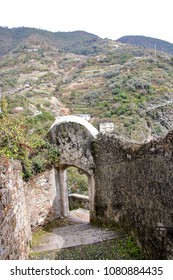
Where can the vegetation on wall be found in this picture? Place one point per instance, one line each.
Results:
(32, 149)
(13, 140)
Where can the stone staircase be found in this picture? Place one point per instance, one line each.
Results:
(78, 232)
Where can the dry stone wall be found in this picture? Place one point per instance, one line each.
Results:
(43, 200)
(134, 189)
(15, 232)
(78, 201)
(130, 184)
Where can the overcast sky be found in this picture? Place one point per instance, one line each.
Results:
(105, 18)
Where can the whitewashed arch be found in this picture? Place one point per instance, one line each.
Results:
(76, 119)
(73, 136)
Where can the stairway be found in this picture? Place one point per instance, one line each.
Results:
(78, 232)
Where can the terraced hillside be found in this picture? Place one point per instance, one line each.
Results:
(148, 42)
(43, 78)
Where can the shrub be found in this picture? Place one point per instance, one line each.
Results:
(123, 95)
(45, 116)
(171, 61)
(34, 151)
(116, 91)
(108, 114)
(77, 182)
(38, 164)
(13, 137)
(111, 74)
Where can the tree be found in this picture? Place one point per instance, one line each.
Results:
(13, 137)
(16, 143)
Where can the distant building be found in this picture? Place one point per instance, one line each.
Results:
(37, 112)
(64, 111)
(27, 85)
(86, 117)
(106, 127)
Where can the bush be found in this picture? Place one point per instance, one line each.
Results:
(77, 182)
(171, 61)
(38, 164)
(108, 114)
(111, 74)
(34, 152)
(45, 116)
(116, 91)
(123, 95)
(44, 157)
(13, 137)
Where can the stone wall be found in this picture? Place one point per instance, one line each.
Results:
(132, 186)
(134, 189)
(78, 201)
(15, 232)
(43, 199)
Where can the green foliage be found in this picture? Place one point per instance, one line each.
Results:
(33, 150)
(129, 248)
(45, 116)
(43, 157)
(78, 41)
(13, 138)
(77, 182)
(108, 114)
(117, 81)
(147, 42)
(171, 61)
(38, 164)
(124, 248)
(115, 90)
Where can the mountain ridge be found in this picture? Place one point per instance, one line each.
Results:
(78, 42)
(147, 42)
(12, 38)
(129, 85)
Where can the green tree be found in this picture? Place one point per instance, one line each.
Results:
(13, 138)
(33, 150)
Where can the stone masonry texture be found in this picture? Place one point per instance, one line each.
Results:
(15, 232)
(134, 189)
(74, 143)
(40, 195)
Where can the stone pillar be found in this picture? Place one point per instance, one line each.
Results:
(62, 201)
(91, 190)
(57, 201)
(62, 191)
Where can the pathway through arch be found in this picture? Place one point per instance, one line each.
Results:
(73, 137)
(75, 233)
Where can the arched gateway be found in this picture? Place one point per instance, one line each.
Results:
(73, 136)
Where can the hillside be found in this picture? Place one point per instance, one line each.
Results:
(43, 78)
(147, 42)
(78, 42)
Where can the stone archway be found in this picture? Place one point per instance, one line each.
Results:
(73, 136)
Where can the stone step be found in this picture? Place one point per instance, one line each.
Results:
(80, 232)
